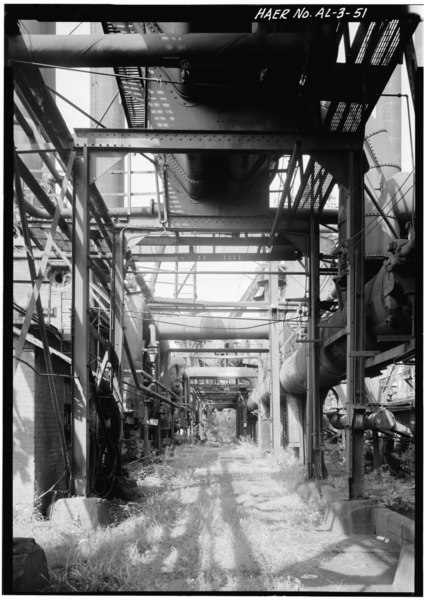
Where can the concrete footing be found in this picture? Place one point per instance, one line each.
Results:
(30, 574)
(368, 517)
(396, 527)
(404, 576)
(87, 513)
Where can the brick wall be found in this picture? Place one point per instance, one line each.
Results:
(23, 432)
(49, 462)
(37, 458)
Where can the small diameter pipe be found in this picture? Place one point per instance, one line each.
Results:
(143, 388)
(153, 380)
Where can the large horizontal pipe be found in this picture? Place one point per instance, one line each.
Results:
(383, 420)
(220, 372)
(154, 49)
(183, 327)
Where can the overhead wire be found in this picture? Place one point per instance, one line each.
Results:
(75, 28)
(263, 322)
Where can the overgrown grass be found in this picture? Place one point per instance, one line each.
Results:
(205, 521)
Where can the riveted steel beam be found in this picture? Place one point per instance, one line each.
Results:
(219, 352)
(284, 253)
(201, 241)
(182, 141)
(299, 223)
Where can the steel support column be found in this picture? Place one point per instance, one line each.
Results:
(274, 357)
(313, 392)
(355, 323)
(80, 330)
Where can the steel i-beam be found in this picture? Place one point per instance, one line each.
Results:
(80, 329)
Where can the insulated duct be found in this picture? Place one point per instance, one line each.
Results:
(184, 327)
(221, 372)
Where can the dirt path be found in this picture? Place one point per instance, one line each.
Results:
(233, 522)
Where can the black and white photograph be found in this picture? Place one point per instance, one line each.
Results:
(213, 299)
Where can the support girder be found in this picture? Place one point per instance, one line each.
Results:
(187, 140)
(280, 253)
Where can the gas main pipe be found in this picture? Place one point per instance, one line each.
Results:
(120, 50)
(382, 420)
(187, 327)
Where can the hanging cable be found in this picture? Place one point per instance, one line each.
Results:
(46, 374)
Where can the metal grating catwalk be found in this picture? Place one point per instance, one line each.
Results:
(375, 45)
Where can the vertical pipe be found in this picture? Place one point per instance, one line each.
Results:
(194, 289)
(260, 414)
(176, 294)
(145, 427)
(172, 426)
(80, 326)
(274, 357)
(295, 425)
(355, 326)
